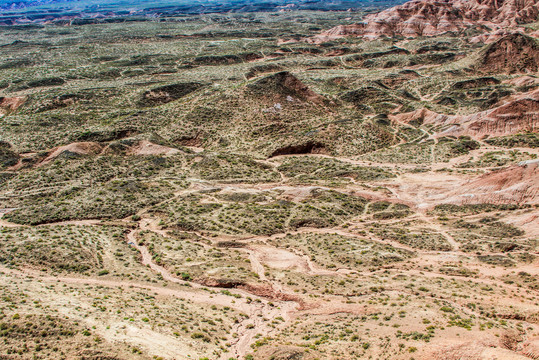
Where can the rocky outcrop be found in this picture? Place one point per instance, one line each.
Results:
(220, 282)
(434, 17)
(73, 150)
(9, 104)
(121, 147)
(286, 352)
(530, 348)
(524, 81)
(516, 184)
(517, 114)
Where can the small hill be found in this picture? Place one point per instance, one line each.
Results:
(7, 156)
(514, 53)
(165, 94)
(73, 150)
(372, 99)
(137, 147)
(284, 86)
(122, 147)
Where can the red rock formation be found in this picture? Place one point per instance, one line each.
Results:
(523, 81)
(530, 348)
(434, 17)
(515, 184)
(9, 104)
(80, 148)
(518, 114)
(512, 53)
(490, 37)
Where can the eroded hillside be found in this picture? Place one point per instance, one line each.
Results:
(218, 187)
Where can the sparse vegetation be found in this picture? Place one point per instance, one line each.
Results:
(219, 181)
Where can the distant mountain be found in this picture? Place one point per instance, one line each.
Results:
(434, 17)
(38, 11)
(7, 5)
(21, 4)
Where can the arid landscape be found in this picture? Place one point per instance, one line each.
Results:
(284, 181)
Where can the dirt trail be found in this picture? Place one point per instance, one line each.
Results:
(258, 256)
(420, 191)
(7, 224)
(455, 245)
(280, 258)
(4, 223)
(275, 166)
(193, 294)
(257, 311)
(349, 161)
(336, 231)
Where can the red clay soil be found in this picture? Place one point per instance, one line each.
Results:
(80, 148)
(518, 114)
(523, 81)
(9, 104)
(269, 293)
(145, 147)
(492, 36)
(516, 184)
(434, 17)
(512, 53)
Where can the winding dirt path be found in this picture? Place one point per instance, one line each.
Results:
(256, 310)
(4, 223)
(259, 313)
(406, 188)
